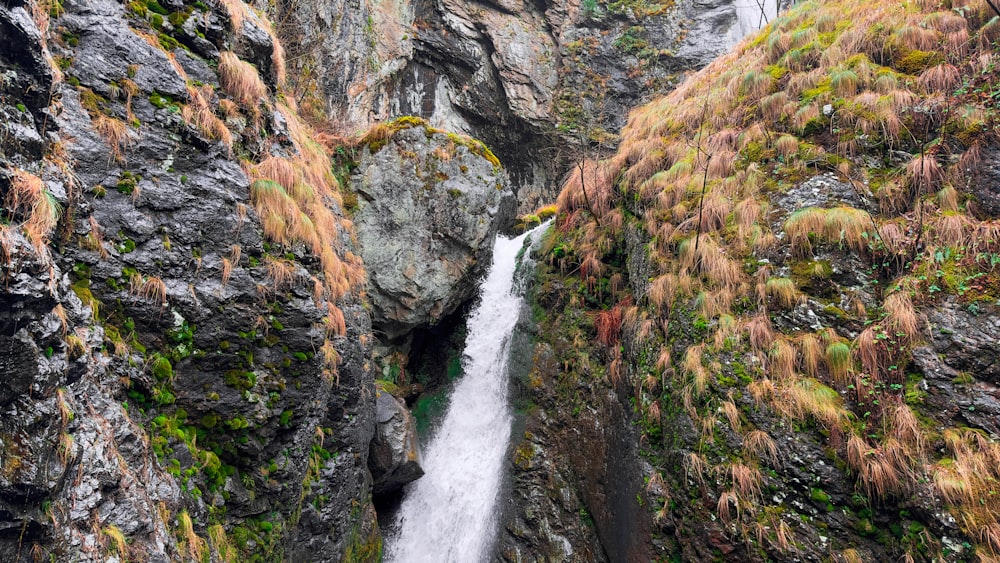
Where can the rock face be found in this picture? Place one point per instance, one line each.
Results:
(395, 450)
(429, 208)
(165, 361)
(535, 81)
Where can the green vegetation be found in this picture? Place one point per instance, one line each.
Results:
(896, 99)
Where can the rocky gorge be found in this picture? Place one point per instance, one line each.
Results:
(237, 242)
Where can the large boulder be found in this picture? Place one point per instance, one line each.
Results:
(394, 459)
(429, 209)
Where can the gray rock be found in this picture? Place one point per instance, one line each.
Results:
(81, 405)
(528, 78)
(429, 209)
(985, 183)
(967, 338)
(395, 451)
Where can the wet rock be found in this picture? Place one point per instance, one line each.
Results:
(967, 338)
(961, 398)
(985, 181)
(395, 451)
(823, 190)
(527, 78)
(95, 368)
(429, 209)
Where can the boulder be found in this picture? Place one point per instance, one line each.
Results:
(394, 459)
(429, 209)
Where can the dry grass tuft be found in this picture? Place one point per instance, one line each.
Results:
(838, 360)
(924, 174)
(759, 333)
(241, 81)
(191, 543)
(29, 201)
(902, 319)
(150, 288)
(760, 445)
(608, 324)
(116, 134)
(695, 369)
(783, 292)
(942, 78)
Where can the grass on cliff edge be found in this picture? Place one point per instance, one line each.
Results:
(899, 100)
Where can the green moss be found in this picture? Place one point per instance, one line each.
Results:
(776, 72)
(161, 368)
(237, 423)
(177, 19)
(915, 61)
(209, 421)
(167, 42)
(821, 89)
(240, 379)
(127, 183)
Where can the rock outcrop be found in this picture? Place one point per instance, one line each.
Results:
(536, 81)
(395, 450)
(429, 207)
(184, 361)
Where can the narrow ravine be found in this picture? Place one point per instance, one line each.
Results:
(449, 515)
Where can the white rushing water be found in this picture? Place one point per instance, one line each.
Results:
(752, 15)
(449, 514)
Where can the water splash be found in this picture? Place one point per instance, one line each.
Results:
(752, 16)
(450, 514)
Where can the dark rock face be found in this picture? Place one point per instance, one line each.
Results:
(429, 209)
(984, 185)
(967, 338)
(535, 81)
(153, 367)
(395, 450)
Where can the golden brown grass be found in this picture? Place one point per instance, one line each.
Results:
(199, 113)
(728, 503)
(838, 360)
(902, 319)
(37, 209)
(150, 288)
(695, 369)
(783, 292)
(221, 544)
(781, 360)
(193, 546)
(283, 272)
(241, 81)
(759, 444)
(924, 174)
(732, 413)
(117, 538)
(116, 134)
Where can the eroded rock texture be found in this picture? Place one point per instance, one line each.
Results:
(429, 209)
(164, 361)
(535, 81)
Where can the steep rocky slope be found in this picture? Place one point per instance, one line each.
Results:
(185, 360)
(776, 303)
(187, 340)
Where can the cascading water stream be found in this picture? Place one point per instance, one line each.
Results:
(752, 15)
(449, 514)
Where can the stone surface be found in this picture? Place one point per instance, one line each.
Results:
(530, 79)
(984, 184)
(245, 428)
(429, 209)
(395, 450)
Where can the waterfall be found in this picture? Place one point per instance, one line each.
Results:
(752, 15)
(450, 514)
